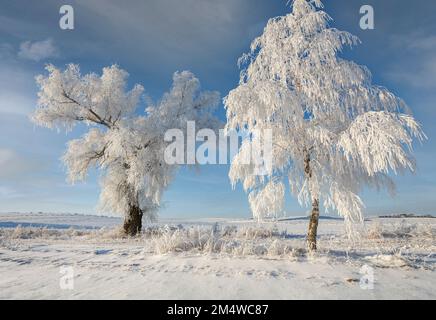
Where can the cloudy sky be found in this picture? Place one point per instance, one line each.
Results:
(153, 38)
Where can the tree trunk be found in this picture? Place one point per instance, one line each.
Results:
(133, 221)
(313, 226)
(314, 218)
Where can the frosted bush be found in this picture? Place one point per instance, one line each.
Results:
(18, 233)
(107, 234)
(428, 231)
(405, 230)
(180, 240)
(281, 248)
(30, 233)
(375, 231)
(399, 230)
(257, 233)
(247, 241)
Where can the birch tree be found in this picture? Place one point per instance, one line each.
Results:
(127, 146)
(334, 132)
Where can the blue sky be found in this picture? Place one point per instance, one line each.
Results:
(151, 39)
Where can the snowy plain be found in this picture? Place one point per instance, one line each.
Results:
(214, 259)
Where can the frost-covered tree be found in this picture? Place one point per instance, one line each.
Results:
(334, 132)
(128, 147)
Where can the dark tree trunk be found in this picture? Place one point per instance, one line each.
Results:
(314, 217)
(313, 226)
(133, 221)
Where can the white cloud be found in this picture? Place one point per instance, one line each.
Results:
(156, 36)
(38, 50)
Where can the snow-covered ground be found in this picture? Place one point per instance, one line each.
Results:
(213, 259)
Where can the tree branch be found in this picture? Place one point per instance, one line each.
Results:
(98, 119)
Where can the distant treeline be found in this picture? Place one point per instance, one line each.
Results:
(408, 215)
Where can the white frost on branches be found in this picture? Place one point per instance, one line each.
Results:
(127, 147)
(334, 132)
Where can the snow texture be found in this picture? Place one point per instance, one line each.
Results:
(215, 259)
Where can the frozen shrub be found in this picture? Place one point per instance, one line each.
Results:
(247, 242)
(404, 230)
(229, 231)
(260, 250)
(104, 234)
(171, 242)
(255, 233)
(31, 233)
(279, 248)
(18, 233)
(375, 231)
